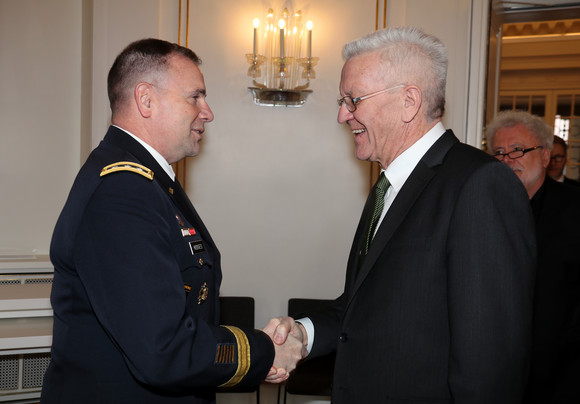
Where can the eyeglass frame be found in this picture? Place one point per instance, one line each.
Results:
(356, 100)
(500, 156)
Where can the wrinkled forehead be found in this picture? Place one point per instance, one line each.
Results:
(516, 135)
(362, 71)
(557, 148)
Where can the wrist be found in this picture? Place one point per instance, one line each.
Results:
(303, 333)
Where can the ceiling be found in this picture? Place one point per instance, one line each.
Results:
(536, 10)
(535, 3)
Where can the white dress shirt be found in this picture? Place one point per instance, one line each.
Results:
(156, 155)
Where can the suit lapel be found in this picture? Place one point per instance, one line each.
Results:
(398, 211)
(353, 265)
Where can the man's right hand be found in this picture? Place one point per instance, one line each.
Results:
(290, 341)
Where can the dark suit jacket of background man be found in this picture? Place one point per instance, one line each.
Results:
(555, 376)
(130, 322)
(441, 309)
(570, 181)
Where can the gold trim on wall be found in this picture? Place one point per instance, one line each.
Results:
(180, 166)
(375, 168)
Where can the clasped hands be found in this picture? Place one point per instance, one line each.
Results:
(290, 341)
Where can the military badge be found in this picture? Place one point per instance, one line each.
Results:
(202, 295)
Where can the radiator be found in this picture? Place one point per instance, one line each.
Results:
(25, 327)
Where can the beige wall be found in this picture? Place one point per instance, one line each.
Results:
(39, 117)
(279, 188)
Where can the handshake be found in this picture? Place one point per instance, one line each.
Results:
(290, 341)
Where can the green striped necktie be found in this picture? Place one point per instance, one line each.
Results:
(380, 190)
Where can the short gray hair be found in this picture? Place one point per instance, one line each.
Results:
(543, 133)
(139, 59)
(411, 56)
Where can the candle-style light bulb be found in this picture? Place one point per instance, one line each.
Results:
(309, 28)
(281, 24)
(256, 25)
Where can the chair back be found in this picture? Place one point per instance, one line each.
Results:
(313, 377)
(237, 311)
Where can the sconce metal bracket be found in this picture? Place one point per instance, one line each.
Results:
(273, 97)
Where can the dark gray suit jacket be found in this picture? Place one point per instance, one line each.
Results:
(440, 310)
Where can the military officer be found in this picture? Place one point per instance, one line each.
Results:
(137, 274)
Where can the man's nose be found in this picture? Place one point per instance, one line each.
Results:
(206, 113)
(344, 115)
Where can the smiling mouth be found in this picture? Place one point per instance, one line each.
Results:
(358, 131)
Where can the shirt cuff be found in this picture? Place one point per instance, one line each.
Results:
(309, 327)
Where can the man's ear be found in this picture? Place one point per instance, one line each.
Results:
(143, 99)
(545, 154)
(412, 102)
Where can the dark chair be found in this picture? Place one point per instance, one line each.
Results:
(239, 312)
(313, 377)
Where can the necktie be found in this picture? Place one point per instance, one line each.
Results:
(380, 190)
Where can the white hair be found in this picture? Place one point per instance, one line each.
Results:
(536, 125)
(411, 56)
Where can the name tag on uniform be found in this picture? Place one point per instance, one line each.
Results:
(196, 247)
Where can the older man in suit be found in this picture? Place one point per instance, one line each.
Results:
(437, 304)
(523, 142)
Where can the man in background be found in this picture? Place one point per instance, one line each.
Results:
(137, 274)
(437, 304)
(558, 160)
(523, 142)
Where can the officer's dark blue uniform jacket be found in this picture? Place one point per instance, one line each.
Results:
(135, 292)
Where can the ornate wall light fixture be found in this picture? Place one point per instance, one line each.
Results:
(281, 77)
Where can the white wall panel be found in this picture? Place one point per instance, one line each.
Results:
(40, 97)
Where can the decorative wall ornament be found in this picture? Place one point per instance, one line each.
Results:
(280, 73)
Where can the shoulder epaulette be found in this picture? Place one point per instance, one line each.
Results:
(127, 166)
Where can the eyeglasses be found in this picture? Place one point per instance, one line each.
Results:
(558, 158)
(351, 103)
(516, 153)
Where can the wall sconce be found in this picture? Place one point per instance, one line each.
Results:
(280, 75)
